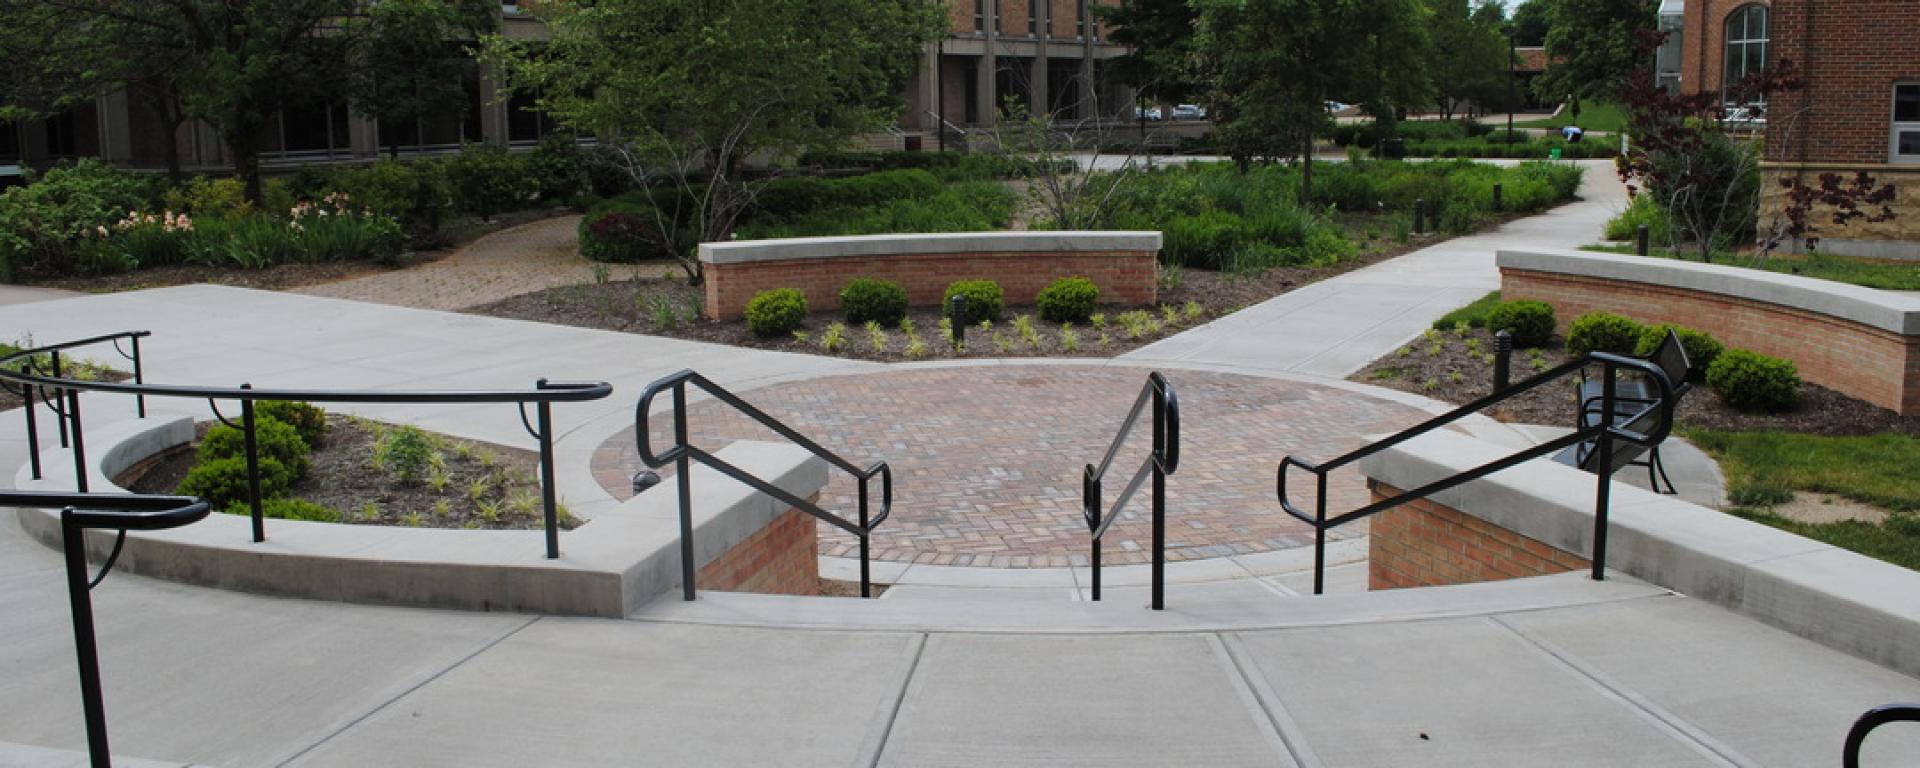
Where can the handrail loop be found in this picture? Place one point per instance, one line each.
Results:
(682, 453)
(1603, 433)
(1162, 461)
(80, 512)
(66, 392)
(1874, 718)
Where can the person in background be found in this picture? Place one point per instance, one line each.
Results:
(1572, 134)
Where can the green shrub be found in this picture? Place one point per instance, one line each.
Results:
(1068, 300)
(558, 168)
(415, 193)
(984, 300)
(627, 229)
(608, 171)
(777, 312)
(223, 482)
(1702, 348)
(309, 420)
(1203, 241)
(487, 179)
(42, 223)
(288, 509)
(275, 440)
(1643, 211)
(1750, 381)
(1529, 322)
(869, 299)
(209, 197)
(406, 453)
(1603, 332)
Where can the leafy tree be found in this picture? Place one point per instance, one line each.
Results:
(1273, 64)
(1592, 46)
(1531, 22)
(1469, 55)
(696, 87)
(1159, 38)
(405, 66)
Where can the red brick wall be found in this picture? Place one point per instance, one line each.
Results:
(1880, 367)
(1426, 544)
(782, 558)
(1703, 51)
(1852, 52)
(1124, 277)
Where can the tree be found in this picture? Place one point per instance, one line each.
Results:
(694, 88)
(1159, 39)
(1592, 46)
(1273, 64)
(1468, 54)
(1531, 22)
(404, 66)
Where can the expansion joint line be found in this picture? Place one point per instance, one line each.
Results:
(1260, 695)
(876, 744)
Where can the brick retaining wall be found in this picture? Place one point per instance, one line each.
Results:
(1427, 544)
(779, 559)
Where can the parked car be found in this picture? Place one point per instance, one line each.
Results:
(1189, 112)
(1335, 106)
(1148, 113)
(1744, 119)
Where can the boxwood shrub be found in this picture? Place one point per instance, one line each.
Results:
(869, 299)
(1068, 300)
(984, 299)
(1750, 381)
(1603, 332)
(776, 312)
(1530, 322)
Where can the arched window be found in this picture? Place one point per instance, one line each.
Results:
(1748, 33)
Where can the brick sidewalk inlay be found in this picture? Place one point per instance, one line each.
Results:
(987, 460)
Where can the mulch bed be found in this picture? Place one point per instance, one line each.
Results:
(1451, 367)
(669, 307)
(487, 486)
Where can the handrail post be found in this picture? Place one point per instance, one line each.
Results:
(57, 394)
(79, 443)
(682, 465)
(1602, 496)
(1320, 533)
(1159, 499)
(73, 542)
(547, 492)
(33, 427)
(865, 540)
(258, 506)
(1096, 504)
(139, 377)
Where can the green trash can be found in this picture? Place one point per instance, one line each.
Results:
(1554, 153)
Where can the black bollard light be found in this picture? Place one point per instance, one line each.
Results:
(1502, 360)
(959, 320)
(1640, 237)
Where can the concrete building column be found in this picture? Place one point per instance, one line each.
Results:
(987, 97)
(116, 127)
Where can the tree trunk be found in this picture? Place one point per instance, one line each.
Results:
(1306, 172)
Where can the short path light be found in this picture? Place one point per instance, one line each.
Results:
(645, 479)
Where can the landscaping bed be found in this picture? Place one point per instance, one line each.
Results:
(356, 474)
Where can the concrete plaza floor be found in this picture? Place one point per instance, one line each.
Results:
(1555, 671)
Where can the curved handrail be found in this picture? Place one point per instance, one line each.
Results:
(682, 452)
(1603, 432)
(1162, 461)
(120, 511)
(1874, 718)
(543, 395)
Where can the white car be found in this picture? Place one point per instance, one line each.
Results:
(1189, 112)
(1334, 106)
(1147, 113)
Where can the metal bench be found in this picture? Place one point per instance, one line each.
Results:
(1635, 407)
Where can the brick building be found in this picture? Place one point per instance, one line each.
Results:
(1859, 112)
(1712, 44)
(1048, 54)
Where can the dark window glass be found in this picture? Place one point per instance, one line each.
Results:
(1906, 104)
(1909, 144)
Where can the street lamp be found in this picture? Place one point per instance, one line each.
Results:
(1513, 58)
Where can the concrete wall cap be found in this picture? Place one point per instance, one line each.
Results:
(802, 248)
(1886, 310)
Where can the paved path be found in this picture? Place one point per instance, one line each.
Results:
(1335, 327)
(527, 258)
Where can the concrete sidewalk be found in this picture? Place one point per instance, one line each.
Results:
(1336, 326)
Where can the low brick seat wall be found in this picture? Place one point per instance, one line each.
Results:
(1122, 264)
(1858, 341)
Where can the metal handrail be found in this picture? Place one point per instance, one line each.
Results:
(66, 395)
(1603, 432)
(80, 512)
(1874, 718)
(682, 453)
(1164, 460)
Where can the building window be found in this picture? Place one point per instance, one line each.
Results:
(1080, 23)
(1033, 18)
(1747, 37)
(979, 16)
(1906, 123)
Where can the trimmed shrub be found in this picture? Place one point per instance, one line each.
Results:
(558, 168)
(1702, 348)
(868, 299)
(1530, 322)
(776, 312)
(1603, 332)
(275, 439)
(307, 419)
(223, 482)
(487, 179)
(288, 509)
(984, 299)
(1068, 300)
(1750, 381)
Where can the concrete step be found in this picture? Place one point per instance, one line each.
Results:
(1345, 578)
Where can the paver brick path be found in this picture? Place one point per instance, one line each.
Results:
(987, 460)
(530, 257)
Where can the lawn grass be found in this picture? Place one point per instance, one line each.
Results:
(1474, 315)
(1889, 276)
(1595, 117)
(1897, 541)
(1766, 466)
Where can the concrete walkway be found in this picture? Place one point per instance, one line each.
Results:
(1336, 326)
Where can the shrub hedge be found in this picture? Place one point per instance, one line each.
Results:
(776, 312)
(1750, 381)
(984, 299)
(867, 299)
(1603, 332)
(1068, 300)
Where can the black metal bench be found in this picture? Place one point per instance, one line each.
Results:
(1636, 406)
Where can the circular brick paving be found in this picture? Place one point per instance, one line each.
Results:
(987, 460)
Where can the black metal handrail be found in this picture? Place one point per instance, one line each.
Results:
(1164, 460)
(106, 511)
(65, 402)
(1603, 433)
(682, 453)
(1874, 718)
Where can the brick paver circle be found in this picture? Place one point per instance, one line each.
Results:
(987, 460)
